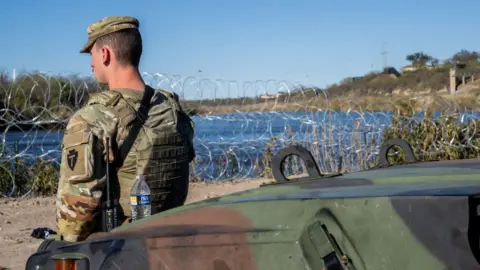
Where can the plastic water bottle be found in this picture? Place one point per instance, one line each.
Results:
(140, 199)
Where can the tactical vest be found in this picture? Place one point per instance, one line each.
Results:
(161, 151)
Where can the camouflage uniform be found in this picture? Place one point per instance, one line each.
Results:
(161, 151)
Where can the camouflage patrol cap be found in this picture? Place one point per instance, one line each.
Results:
(106, 26)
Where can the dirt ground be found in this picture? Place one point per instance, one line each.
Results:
(18, 218)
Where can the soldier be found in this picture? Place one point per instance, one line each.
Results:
(149, 134)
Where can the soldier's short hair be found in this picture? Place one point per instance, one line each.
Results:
(126, 45)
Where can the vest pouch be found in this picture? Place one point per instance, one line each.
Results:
(79, 156)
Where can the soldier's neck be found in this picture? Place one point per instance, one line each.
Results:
(127, 78)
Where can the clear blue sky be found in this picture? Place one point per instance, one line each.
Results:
(315, 42)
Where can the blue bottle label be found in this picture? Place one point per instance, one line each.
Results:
(139, 199)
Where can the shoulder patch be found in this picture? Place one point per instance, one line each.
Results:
(72, 157)
(79, 156)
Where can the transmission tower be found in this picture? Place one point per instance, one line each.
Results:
(384, 54)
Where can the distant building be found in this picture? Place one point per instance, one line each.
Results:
(459, 65)
(409, 68)
(273, 96)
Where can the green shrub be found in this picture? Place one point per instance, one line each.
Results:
(17, 179)
(435, 139)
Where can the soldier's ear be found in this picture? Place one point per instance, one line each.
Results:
(106, 55)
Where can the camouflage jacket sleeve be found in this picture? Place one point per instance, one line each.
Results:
(82, 166)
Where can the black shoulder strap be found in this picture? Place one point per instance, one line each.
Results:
(142, 115)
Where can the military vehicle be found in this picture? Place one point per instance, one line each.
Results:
(416, 215)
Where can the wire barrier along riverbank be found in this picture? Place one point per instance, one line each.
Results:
(239, 126)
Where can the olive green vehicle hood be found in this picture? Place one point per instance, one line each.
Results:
(414, 216)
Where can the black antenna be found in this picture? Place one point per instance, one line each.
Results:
(110, 220)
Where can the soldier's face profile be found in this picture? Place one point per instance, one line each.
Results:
(99, 62)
